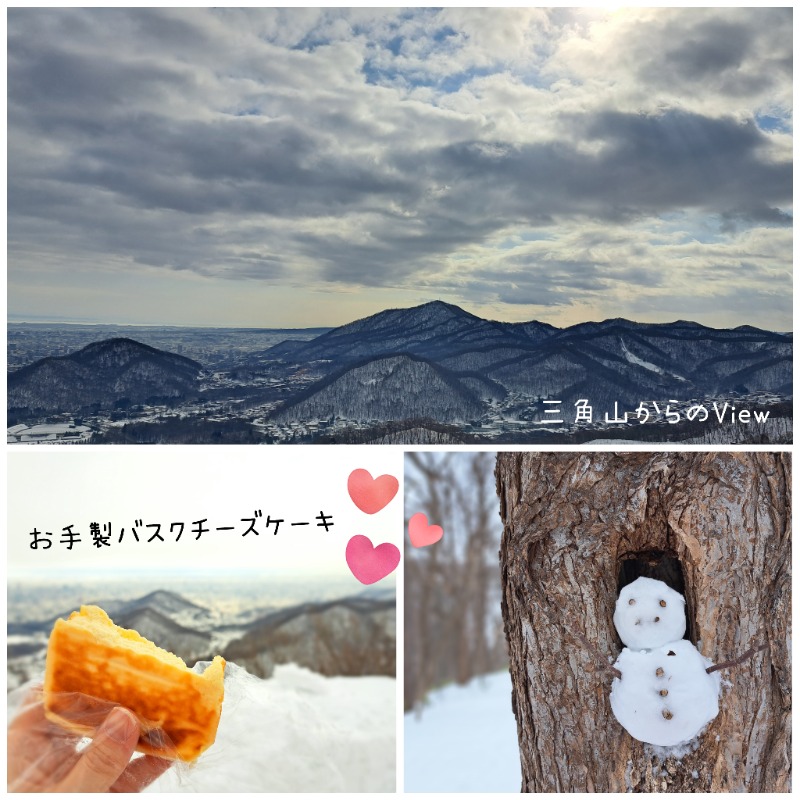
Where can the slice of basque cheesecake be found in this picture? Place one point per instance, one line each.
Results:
(178, 709)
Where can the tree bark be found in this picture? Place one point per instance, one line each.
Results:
(578, 526)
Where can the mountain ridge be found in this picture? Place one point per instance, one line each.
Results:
(446, 325)
(104, 374)
(613, 361)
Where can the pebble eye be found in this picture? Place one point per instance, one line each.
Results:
(671, 653)
(658, 619)
(631, 602)
(662, 603)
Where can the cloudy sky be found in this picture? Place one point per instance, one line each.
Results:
(297, 167)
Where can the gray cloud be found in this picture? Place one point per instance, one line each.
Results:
(313, 146)
(646, 164)
(721, 51)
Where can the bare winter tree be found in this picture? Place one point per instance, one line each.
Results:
(714, 526)
(453, 630)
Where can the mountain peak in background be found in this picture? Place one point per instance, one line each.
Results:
(111, 373)
(439, 363)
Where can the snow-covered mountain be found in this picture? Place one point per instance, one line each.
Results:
(399, 387)
(351, 636)
(432, 330)
(106, 374)
(172, 604)
(441, 362)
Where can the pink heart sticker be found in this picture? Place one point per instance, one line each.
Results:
(370, 564)
(371, 494)
(422, 534)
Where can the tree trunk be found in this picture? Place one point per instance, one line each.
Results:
(579, 526)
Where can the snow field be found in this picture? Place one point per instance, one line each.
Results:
(464, 739)
(297, 732)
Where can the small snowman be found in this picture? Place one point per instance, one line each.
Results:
(665, 695)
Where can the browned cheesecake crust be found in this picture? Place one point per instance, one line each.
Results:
(178, 709)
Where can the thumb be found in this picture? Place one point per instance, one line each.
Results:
(106, 758)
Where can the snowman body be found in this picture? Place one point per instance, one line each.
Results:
(665, 696)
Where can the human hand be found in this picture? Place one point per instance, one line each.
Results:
(43, 757)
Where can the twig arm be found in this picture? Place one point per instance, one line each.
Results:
(576, 634)
(598, 656)
(736, 661)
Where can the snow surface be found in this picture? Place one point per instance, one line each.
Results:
(692, 698)
(464, 739)
(296, 732)
(640, 619)
(632, 359)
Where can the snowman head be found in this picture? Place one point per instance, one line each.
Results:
(649, 614)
